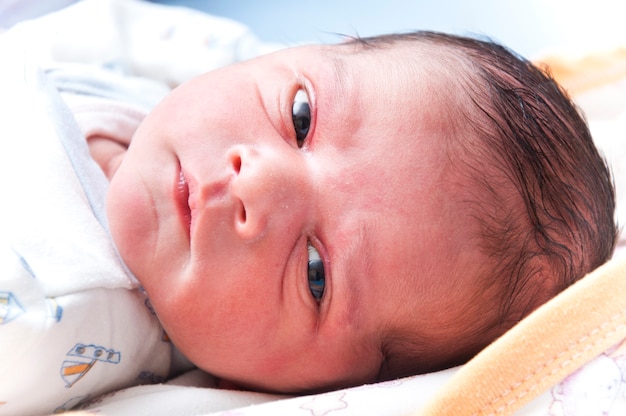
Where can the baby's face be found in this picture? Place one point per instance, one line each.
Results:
(285, 213)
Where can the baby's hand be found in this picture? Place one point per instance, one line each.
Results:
(107, 152)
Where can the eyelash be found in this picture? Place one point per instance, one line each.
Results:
(301, 108)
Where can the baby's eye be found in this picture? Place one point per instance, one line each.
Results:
(316, 274)
(301, 116)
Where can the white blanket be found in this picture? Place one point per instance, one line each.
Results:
(65, 295)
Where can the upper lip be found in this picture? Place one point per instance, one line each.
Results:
(193, 198)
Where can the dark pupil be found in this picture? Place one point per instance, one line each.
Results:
(301, 119)
(316, 278)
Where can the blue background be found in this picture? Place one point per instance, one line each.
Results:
(530, 27)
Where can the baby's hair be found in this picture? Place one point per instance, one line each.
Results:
(546, 201)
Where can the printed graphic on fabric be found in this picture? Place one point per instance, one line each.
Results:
(10, 307)
(54, 310)
(325, 403)
(88, 355)
(25, 265)
(598, 388)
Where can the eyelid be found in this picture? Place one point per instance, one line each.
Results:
(301, 84)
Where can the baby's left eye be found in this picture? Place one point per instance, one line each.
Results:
(316, 274)
(301, 116)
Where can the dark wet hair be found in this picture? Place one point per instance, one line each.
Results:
(545, 212)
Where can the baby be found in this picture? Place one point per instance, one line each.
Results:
(326, 216)
(332, 215)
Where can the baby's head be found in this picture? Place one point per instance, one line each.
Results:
(332, 215)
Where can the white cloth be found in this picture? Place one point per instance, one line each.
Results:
(13, 11)
(164, 43)
(73, 323)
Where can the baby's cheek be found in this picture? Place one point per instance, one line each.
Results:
(131, 223)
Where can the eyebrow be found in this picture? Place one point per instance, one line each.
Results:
(339, 71)
(355, 262)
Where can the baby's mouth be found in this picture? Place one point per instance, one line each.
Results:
(182, 201)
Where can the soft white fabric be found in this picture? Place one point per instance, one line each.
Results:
(168, 44)
(193, 393)
(13, 11)
(72, 322)
(177, 398)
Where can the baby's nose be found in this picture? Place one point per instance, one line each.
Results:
(266, 187)
(249, 223)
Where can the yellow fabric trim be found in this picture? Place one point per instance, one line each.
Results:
(551, 343)
(589, 72)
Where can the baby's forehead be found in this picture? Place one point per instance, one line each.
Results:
(419, 63)
(405, 49)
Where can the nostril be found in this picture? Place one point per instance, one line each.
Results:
(242, 215)
(236, 162)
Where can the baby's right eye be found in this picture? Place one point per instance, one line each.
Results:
(316, 274)
(301, 116)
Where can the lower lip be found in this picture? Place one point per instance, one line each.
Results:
(182, 201)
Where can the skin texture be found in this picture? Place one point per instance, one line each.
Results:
(216, 201)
